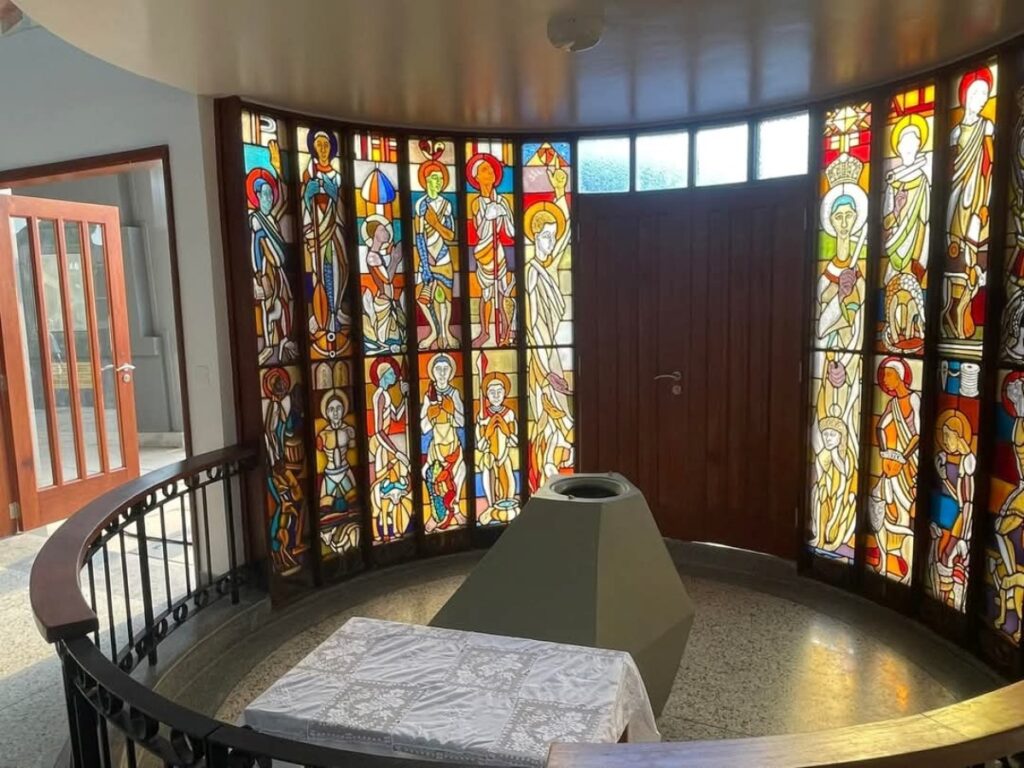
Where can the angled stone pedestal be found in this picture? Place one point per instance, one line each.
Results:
(584, 564)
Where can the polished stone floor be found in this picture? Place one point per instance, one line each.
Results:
(769, 653)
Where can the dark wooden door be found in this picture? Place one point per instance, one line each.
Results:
(691, 307)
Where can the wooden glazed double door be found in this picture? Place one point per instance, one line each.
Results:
(690, 351)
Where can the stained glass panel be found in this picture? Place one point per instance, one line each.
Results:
(432, 179)
(1013, 314)
(443, 441)
(835, 446)
(952, 503)
(387, 430)
(496, 432)
(907, 168)
(379, 227)
(972, 153)
(490, 237)
(843, 216)
(1004, 551)
(551, 428)
(895, 436)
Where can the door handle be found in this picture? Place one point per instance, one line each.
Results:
(676, 376)
(125, 367)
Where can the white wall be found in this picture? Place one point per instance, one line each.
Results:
(57, 103)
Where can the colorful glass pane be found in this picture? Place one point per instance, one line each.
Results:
(496, 436)
(895, 436)
(379, 228)
(551, 428)
(1004, 551)
(271, 236)
(490, 236)
(952, 502)
(972, 154)
(387, 430)
(835, 446)
(907, 168)
(1013, 314)
(436, 263)
(843, 217)
(442, 441)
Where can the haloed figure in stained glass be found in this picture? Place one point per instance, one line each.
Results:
(905, 221)
(333, 441)
(390, 491)
(325, 240)
(967, 216)
(494, 223)
(496, 439)
(382, 305)
(892, 502)
(844, 210)
(434, 228)
(954, 506)
(267, 246)
(441, 419)
(1008, 581)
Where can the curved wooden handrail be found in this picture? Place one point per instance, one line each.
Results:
(970, 732)
(60, 609)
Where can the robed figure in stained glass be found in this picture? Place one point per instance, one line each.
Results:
(267, 251)
(434, 229)
(972, 140)
(905, 222)
(383, 307)
(495, 225)
(442, 420)
(892, 501)
(324, 236)
(282, 422)
(1007, 579)
(390, 493)
(1013, 315)
(496, 439)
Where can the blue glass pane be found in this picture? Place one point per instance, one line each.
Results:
(604, 165)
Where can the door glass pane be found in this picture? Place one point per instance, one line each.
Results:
(83, 346)
(30, 347)
(104, 334)
(59, 364)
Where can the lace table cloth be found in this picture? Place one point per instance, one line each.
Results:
(426, 693)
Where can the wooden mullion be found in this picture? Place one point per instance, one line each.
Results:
(466, 327)
(523, 395)
(94, 347)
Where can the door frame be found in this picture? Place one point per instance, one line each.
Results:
(21, 180)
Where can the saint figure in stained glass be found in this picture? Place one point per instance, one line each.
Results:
(844, 212)
(325, 239)
(282, 430)
(1013, 315)
(494, 225)
(267, 247)
(382, 306)
(1007, 578)
(972, 140)
(442, 421)
(434, 230)
(390, 494)
(334, 440)
(497, 437)
(892, 500)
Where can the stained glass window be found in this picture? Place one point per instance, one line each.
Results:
(1013, 315)
(662, 161)
(782, 146)
(972, 154)
(443, 440)
(955, 457)
(604, 164)
(547, 234)
(496, 436)
(387, 431)
(490, 238)
(895, 437)
(721, 155)
(838, 330)
(271, 235)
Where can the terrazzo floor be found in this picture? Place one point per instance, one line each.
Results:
(769, 652)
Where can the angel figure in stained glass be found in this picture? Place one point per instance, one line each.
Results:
(382, 305)
(390, 489)
(905, 224)
(1006, 576)
(496, 439)
(434, 229)
(494, 224)
(967, 216)
(324, 236)
(267, 251)
(893, 498)
(442, 419)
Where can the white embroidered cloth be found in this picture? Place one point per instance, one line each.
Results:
(386, 688)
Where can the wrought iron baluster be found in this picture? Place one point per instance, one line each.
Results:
(232, 557)
(206, 536)
(127, 596)
(92, 597)
(185, 542)
(110, 605)
(149, 636)
(167, 564)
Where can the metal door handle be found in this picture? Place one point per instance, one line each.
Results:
(125, 367)
(675, 376)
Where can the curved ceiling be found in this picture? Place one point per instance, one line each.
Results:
(488, 64)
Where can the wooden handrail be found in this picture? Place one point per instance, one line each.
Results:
(968, 733)
(60, 609)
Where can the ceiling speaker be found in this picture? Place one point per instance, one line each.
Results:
(575, 31)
